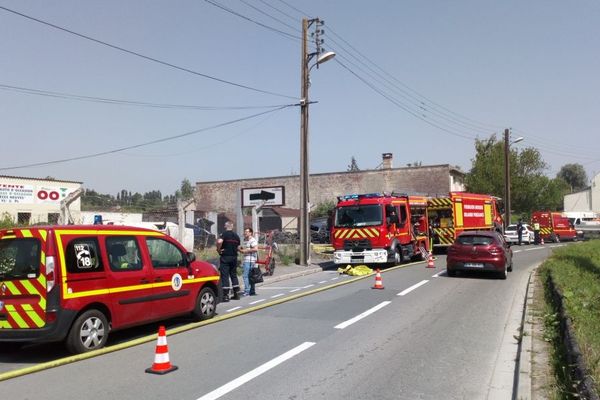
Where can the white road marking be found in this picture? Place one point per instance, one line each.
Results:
(277, 295)
(247, 377)
(531, 249)
(413, 287)
(439, 273)
(335, 279)
(278, 287)
(234, 308)
(307, 286)
(361, 316)
(323, 282)
(257, 301)
(295, 290)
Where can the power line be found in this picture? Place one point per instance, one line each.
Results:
(70, 96)
(135, 146)
(229, 10)
(148, 58)
(270, 16)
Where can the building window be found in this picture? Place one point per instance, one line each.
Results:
(23, 218)
(53, 218)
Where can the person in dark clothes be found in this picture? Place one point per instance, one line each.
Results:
(227, 247)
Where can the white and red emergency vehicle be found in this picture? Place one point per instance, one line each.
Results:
(377, 228)
(459, 212)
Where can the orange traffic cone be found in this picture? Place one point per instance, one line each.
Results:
(161, 365)
(430, 263)
(378, 282)
(541, 240)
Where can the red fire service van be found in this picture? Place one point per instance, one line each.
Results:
(379, 228)
(78, 283)
(459, 212)
(553, 226)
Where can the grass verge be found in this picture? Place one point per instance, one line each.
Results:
(575, 272)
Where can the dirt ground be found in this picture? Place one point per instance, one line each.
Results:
(543, 383)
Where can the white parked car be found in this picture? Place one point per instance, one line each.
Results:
(510, 234)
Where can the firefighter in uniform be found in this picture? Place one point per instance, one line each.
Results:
(536, 232)
(227, 247)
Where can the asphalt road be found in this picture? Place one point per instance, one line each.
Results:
(425, 336)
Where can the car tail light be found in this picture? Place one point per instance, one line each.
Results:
(50, 276)
(495, 251)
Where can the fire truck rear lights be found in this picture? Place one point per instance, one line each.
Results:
(49, 273)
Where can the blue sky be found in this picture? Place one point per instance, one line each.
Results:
(419, 79)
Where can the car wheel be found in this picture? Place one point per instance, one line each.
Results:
(510, 266)
(504, 273)
(450, 272)
(206, 305)
(88, 332)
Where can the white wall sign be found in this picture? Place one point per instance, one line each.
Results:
(270, 196)
(16, 193)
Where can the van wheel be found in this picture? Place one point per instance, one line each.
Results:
(206, 305)
(88, 332)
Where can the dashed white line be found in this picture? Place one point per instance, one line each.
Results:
(413, 287)
(323, 282)
(233, 309)
(257, 301)
(335, 279)
(277, 295)
(295, 290)
(247, 377)
(307, 286)
(438, 274)
(362, 315)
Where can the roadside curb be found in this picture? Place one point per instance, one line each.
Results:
(278, 278)
(523, 373)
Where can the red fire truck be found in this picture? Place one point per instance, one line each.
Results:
(376, 228)
(459, 212)
(553, 226)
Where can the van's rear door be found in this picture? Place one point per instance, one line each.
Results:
(22, 278)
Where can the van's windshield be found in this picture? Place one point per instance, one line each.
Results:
(19, 258)
(364, 215)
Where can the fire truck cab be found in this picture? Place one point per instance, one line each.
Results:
(376, 228)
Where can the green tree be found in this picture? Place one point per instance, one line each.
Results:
(322, 209)
(187, 190)
(574, 175)
(353, 167)
(530, 189)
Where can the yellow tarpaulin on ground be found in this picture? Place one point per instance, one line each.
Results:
(358, 270)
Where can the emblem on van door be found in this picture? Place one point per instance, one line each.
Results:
(3, 288)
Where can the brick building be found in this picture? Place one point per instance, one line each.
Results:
(220, 196)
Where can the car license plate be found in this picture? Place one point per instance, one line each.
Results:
(473, 265)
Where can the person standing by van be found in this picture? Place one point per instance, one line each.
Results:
(227, 246)
(250, 251)
(520, 231)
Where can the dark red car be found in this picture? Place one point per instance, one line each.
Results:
(479, 251)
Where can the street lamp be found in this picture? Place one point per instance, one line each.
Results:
(304, 199)
(507, 144)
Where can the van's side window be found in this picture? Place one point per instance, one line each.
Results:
(164, 254)
(123, 253)
(83, 256)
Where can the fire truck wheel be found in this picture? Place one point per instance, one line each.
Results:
(397, 256)
(88, 332)
(206, 305)
(556, 239)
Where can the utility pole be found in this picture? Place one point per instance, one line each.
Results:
(304, 230)
(506, 178)
(303, 221)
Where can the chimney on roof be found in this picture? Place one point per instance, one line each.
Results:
(387, 161)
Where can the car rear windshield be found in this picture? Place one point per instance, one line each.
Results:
(473, 240)
(19, 258)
